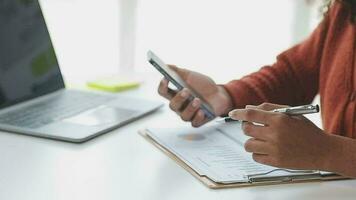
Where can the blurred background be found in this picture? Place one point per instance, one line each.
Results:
(225, 39)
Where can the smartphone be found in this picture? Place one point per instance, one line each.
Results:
(178, 82)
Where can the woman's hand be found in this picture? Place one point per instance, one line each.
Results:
(214, 95)
(285, 141)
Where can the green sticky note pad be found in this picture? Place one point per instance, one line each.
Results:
(112, 84)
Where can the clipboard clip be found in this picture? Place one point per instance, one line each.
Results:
(263, 177)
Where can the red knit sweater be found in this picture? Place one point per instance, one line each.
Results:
(324, 63)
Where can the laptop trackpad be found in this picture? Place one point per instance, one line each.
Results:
(101, 116)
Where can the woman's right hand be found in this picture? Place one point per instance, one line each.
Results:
(214, 95)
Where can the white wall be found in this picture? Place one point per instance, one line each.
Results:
(85, 34)
(225, 39)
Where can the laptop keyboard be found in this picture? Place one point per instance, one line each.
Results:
(64, 105)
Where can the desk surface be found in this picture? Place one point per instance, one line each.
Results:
(122, 165)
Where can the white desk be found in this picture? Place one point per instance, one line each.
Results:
(123, 165)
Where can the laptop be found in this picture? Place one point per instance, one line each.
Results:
(33, 98)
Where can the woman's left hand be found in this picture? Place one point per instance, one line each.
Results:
(285, 141)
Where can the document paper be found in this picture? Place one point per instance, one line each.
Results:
(215, 151)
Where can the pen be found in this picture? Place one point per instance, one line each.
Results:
(298, 110)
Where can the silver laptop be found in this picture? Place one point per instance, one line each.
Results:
(33, 100)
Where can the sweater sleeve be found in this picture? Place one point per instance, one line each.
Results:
(292, 80)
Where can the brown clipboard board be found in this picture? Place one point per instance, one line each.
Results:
(214, 185)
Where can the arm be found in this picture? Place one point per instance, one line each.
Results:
(292, 80)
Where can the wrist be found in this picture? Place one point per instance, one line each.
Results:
(342, 157)
(226, 104)
(326, 155)
(332, 153)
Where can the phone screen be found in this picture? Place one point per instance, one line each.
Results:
(177, 81)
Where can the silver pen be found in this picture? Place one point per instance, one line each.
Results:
(298, 110)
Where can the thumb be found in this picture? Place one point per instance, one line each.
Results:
(183, 73)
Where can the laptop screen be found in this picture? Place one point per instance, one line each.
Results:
(28, 64)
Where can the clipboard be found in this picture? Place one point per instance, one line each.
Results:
(254, 182)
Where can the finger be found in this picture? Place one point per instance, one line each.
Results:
(267, 106)
(261, 158)
(199, 119)
(164, 91)
(252, 115)
(256, 131)
(189, 112)
(180, 101)
(253, 145)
